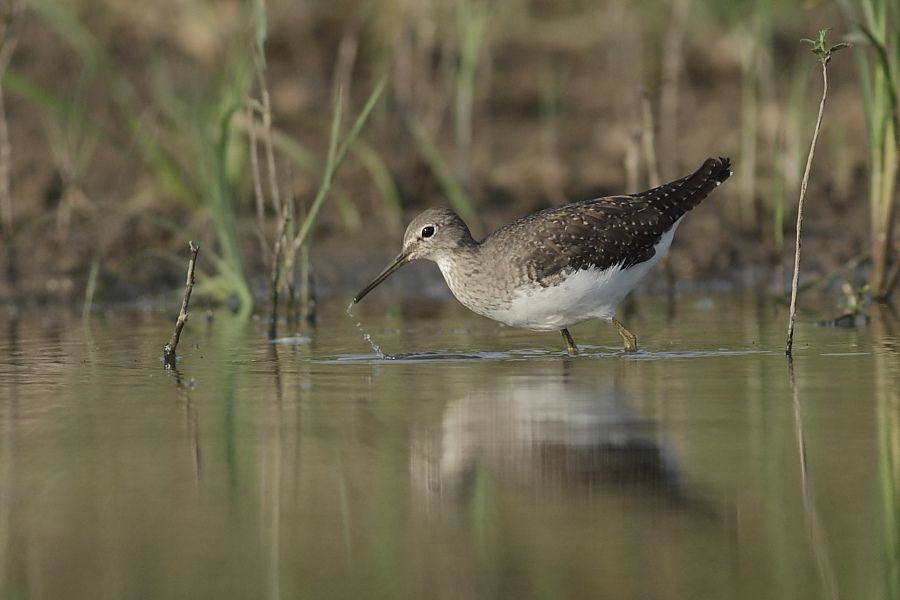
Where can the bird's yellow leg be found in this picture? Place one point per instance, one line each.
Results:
(629, 338)
(570, 343)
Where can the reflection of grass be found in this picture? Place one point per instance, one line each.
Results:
(887, 411)
(229, 340)
(889, 483)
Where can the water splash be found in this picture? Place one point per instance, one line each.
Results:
(368, 338)
(375, 347)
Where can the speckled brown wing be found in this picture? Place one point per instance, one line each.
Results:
(604, 232)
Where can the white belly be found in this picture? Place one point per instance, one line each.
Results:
(583, 295)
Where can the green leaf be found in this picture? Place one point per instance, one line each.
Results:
(821, 49)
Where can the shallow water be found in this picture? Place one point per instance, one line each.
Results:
(472, 460)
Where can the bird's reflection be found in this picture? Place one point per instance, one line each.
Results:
(547, 433)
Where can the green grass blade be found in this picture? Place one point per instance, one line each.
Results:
(456, 196)
(293, 151)
(336, 157)
(383, 180)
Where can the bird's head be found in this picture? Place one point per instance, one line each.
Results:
(434, 232)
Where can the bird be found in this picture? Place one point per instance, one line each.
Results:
(560, 266)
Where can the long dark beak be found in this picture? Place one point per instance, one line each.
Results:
(398, 262)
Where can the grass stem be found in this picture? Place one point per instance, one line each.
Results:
(824, 55)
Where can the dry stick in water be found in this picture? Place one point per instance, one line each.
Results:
(276, 271)
(169, 349)
(257, 181)
(824, 54)
(265, 104)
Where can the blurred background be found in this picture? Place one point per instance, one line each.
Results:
(129, 128)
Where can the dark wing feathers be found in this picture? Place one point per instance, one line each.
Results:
(682, 195)
(604, 232)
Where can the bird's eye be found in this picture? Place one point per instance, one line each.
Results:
(427, 231)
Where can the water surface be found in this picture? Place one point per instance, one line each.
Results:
(472, 461)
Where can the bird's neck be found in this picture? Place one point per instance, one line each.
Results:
(471, 282)
(466, 239)
(460, 258)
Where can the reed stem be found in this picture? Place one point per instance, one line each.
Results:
(824, 55)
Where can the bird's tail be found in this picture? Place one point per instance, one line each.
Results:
(676, 198)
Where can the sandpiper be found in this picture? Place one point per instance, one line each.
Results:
(558, 267)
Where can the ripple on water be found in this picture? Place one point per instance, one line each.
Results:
(680, 354)
(448, 356)
(587, 352)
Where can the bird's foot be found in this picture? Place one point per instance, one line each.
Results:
(629, 338)
(570, 343)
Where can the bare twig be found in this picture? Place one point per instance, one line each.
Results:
(824, 53)
(169, 356)
(290, 205)
(259, 63)
(257, 183)
(268, 144)
(307, 287)
(276, 271)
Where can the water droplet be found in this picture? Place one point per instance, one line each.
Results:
(375, 347)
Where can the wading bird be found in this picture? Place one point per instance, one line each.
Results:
(558, 267)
